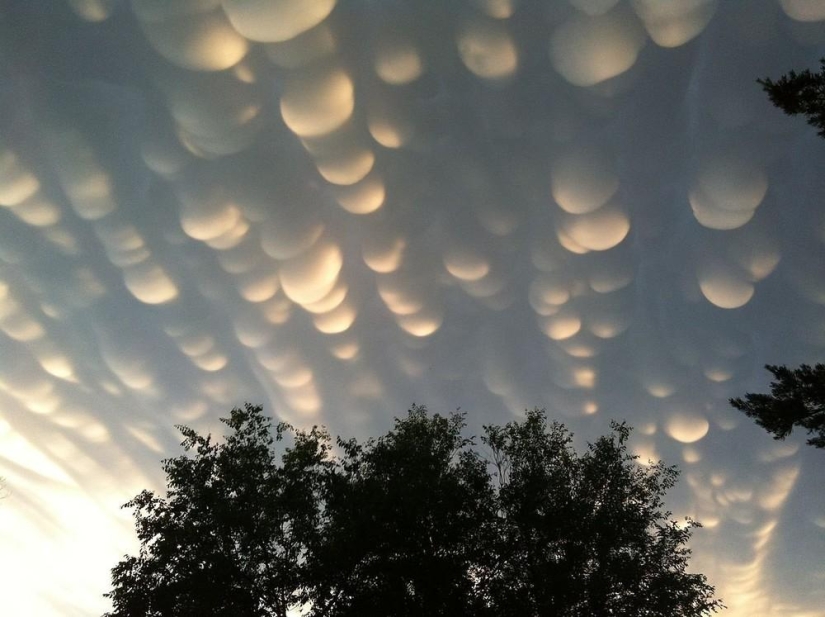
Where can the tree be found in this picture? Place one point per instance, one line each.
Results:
(407, 515)
(416, 522)
(586, 535)
(797, 399)
(800, 94)
(231, 535)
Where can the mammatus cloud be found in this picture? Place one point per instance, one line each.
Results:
(339, 208)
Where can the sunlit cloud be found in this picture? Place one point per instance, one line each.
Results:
(590, 49)
(339, 208)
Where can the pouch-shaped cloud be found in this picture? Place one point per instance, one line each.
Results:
(718, 371)
(164, 154)
(304, 399)
(487, 49)
(582, 345)
(607, 317)
(388, 121)
(363, 197)
(214, 115)
(724, 284)
(17, 184)
(398, 61)
(728, 187)
(609, 272)
(194, 344)
(130, 366)
(292, 372)
(318, 101)
(243, 257)
(15, 320)
(588, 50)
(421, 324)
(38, 211)
(311, 275)
(583, 178)
(345, 350)
(292, 228)
(149, 283)
(346, 167)
(686, 426)
(674, 23)
(220, 141)
(465, 264)
(599, 230)
(85, 182)
(402, 294)
(756, 251)
(198, 40)
(252, 329)
(731, 181)
(491, 289)
(231, 237)
(337, 320)
(383, 253)
(271, 21)
(550, 291)
(209, 105)
(207, 214)
(773, 494)
(124, 245)
(259, 285)
(804, 10)
(210, 362)
(331, 301)
(716, 218)
(561, 325)
(54, 361)
(568, 243)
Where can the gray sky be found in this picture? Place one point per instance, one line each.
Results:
(339, 209)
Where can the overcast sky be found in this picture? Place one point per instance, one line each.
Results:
(337, 209)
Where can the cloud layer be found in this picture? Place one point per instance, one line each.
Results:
(339, 208)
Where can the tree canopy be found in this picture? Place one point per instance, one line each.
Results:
(796, 399)
(800, 94)
(420, 521)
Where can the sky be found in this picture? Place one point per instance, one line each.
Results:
(339, 209)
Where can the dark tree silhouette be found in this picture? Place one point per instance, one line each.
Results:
(232, 534)
(586, 535)
(797, 399)
(408, 514)
(414, 523)
(800, 94)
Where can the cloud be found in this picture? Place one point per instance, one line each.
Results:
(337, 209)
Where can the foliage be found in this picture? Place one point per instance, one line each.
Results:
(231, 536)
(406, 517)
(586, 535)
(800, 94)
(797, 399)
(416, 522)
